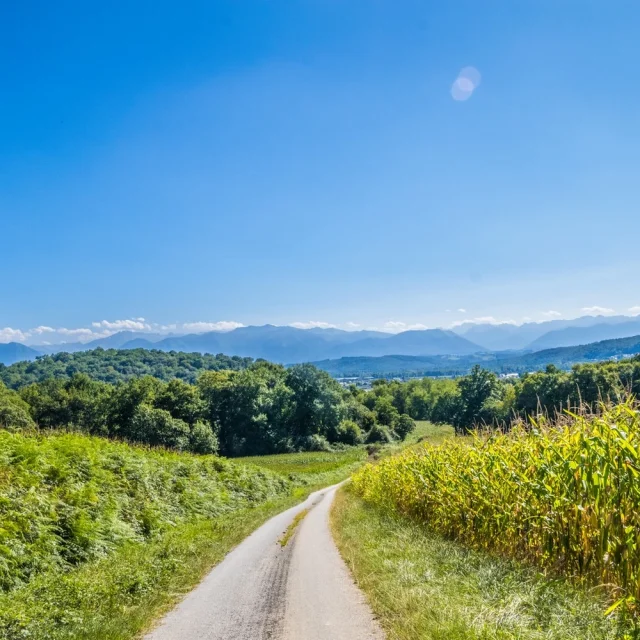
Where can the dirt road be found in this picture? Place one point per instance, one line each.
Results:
(299, 591)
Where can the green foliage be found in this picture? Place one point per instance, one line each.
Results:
(349, 432)
(475, 391)
(255, 409)
(118, 365)
(14, 411)
(481, 399)
(379, 434)
(403, 426)
(67, 499)
(386, 413)
(157, 427)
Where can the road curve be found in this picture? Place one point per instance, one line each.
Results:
(261, 590)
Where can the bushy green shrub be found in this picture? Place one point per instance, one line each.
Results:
(315, 442)
(403, 425)
(14, 411)
(379, 433)
(202, 439)
(349, 433)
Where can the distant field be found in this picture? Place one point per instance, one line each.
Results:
(428, 432)
(310, 465)
(312, 469)
(324, 468)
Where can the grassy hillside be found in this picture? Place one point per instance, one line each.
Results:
(96, 536)
(118, 365)
(70, 499)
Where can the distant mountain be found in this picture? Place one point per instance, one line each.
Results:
(115, 341)
(290, 345)
(395, 365)
(501, 337)
(501, 362)
(571, 336)
(15, 352)
(428, 342)
(565, 357)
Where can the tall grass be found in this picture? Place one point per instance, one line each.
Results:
(68, 499)
(564, 496)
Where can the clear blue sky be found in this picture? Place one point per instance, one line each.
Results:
(269, 161)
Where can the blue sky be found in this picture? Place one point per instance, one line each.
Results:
(269, 161)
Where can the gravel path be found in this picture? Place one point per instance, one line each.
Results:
(261, 590)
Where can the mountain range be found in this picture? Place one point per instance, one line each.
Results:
(499, 361)
(289, 345)
(533, 336)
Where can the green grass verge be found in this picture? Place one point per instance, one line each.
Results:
(423, 587)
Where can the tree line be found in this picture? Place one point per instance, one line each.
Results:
(482, 398)
(119, 365)
(261, 409)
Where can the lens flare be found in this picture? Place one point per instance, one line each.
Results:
(465, 84)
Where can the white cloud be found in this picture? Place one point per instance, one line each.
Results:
(312, 324)
(133, 324)
(12, 335)
(597, 311)
(106, 328)
(551, 314)
(204, 327)
(635, 310)
(396, 326)
(40, 330)
(462, 310)
(352, 325)
(77, 333)
(483, 320)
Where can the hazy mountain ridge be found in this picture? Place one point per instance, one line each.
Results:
(15, 352)
(283, 344)
(530, 335)
(289, 345)
(504, 362)
(571, 336)
(114, 341)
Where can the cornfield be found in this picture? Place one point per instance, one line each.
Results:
(564, 496)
